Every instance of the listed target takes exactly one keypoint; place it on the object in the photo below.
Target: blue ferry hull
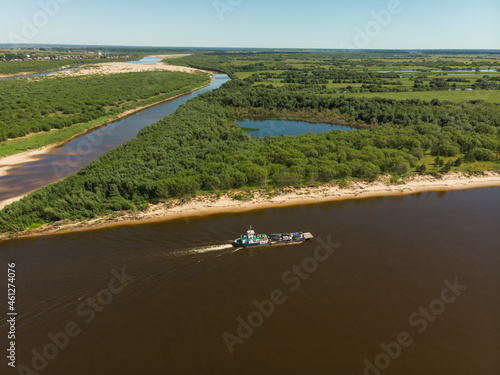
(273, 239)
(268, 244)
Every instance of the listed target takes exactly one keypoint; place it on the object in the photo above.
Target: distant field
(492, 96)
(243, 75)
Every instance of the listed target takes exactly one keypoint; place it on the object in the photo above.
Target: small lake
(276, 128)
(147, 60)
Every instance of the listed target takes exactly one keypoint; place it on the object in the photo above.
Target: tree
(418, 153)
(447, 167)
(402, 168)
(483, 154)
(421, 168)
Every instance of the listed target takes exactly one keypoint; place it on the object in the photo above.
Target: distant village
(5, 57)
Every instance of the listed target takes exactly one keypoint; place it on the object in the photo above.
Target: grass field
(490, 96)
(38, 140)
(476, 167)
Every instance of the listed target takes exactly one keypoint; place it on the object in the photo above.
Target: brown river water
(390, 285)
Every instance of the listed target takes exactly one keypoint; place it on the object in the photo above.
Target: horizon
(277, 49)
(239, 24)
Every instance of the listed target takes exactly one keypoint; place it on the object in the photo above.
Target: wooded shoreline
(211, 204)
(8, 162)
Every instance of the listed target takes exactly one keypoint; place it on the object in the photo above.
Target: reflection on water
(190, 287)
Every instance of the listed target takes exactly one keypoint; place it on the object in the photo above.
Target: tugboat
(251, 239)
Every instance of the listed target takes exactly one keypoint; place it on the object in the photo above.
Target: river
(80, 151)
(184, 287)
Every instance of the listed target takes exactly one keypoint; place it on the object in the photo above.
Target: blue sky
(375, 24)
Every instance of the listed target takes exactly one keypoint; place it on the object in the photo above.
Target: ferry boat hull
(251, 239)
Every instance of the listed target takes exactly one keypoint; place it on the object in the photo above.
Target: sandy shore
(11, 161)
(211, 204)
(115, 67)
(123, 67)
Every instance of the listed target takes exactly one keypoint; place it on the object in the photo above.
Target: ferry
(251, 239)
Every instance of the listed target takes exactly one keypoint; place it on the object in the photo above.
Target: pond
(275, 128)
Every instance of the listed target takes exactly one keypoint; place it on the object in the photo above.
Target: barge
(251, 239)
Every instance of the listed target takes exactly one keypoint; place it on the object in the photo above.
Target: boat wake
(170, 268)
(202, 249)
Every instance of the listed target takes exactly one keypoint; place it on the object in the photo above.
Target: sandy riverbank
(114, 68)
(123, 67)
(211, 204)
(11, 161)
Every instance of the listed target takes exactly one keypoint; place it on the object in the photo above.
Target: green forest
(200, 149)
(41, 104)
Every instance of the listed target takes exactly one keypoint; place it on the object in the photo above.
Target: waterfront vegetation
(52, 106)
(200, 149)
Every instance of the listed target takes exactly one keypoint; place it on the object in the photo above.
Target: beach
(123, 67)
(202, 205)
